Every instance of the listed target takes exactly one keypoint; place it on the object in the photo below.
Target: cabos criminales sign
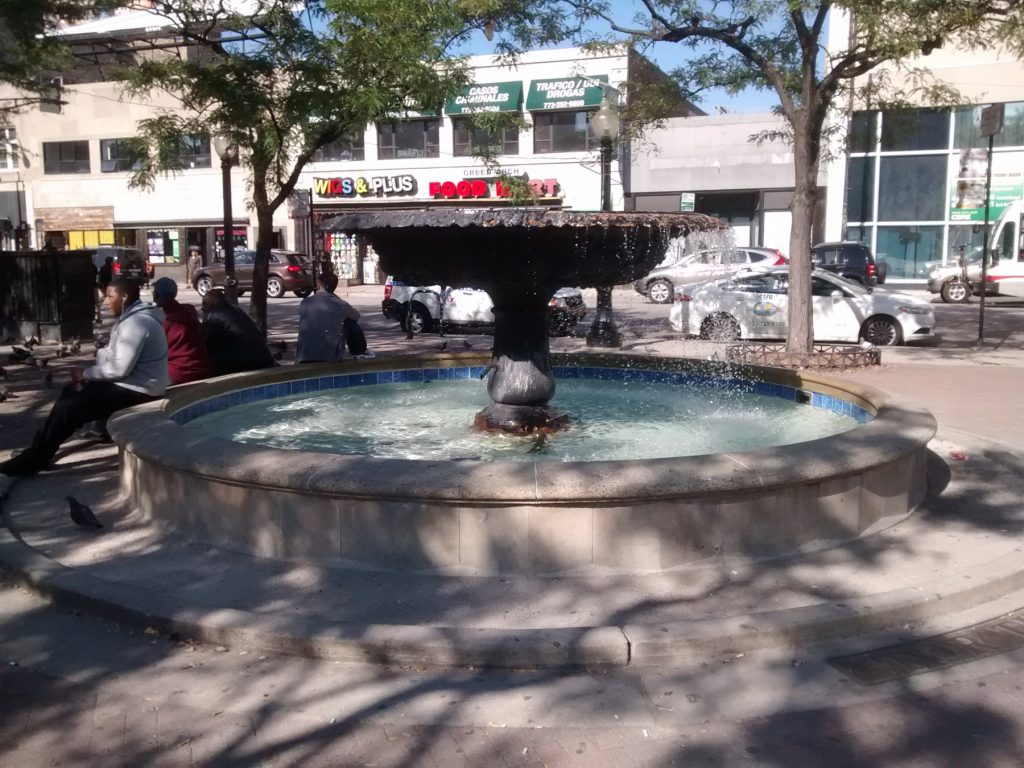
(361, 186)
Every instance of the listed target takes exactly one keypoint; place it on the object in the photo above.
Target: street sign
(992, 119)
(687, 202)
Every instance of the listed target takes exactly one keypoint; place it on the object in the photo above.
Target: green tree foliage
(780, 47)
(284, 79)
(29, 55)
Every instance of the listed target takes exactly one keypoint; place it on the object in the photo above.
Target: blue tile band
(676, 378)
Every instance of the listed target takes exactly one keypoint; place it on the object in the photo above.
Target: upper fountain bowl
(537, 250)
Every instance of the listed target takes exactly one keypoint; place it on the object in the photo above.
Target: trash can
(49, 295)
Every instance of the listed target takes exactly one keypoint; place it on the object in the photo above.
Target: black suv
(854, 261)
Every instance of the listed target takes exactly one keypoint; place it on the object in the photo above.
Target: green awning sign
(486, 97)
(565, 93)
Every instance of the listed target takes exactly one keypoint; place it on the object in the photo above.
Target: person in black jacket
(233, 341)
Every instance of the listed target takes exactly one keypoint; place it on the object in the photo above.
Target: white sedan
(755, 305)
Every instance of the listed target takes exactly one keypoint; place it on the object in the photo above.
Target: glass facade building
(915, 183)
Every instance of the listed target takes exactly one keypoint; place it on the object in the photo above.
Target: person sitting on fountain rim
(131, 370)
(324, 323)
(234, 343)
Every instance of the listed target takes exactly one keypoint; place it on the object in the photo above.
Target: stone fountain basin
(511, 517)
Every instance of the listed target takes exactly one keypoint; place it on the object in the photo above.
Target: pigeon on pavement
(82, 516)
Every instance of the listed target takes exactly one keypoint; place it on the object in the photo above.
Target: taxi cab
(755, 305)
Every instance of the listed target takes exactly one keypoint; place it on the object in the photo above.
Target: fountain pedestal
(521, 379)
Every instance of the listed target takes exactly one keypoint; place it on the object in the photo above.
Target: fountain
(486, 515)
(520, 257)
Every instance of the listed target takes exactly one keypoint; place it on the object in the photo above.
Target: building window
(470, 139)
(8, 149)
(909, 251)
(119, 155)
(967, 127)
(563, 132)
(912, 188)
(66, 157)
(194, 151)
(349, 148)
(409, 139)
(863, 132)
(912, 130)
(860, 193)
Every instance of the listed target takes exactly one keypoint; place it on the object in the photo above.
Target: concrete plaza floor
(76, 690)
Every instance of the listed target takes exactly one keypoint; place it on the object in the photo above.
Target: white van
(1005, 274)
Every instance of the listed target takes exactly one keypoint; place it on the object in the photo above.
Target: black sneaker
(25, 464)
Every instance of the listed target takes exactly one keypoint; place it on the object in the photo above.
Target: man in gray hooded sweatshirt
(131, 370)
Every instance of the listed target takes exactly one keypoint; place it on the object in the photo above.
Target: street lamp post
(227, 151)
(605, 122)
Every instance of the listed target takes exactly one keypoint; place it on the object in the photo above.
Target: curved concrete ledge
(495, 517)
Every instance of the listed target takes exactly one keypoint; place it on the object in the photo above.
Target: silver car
(703, 265)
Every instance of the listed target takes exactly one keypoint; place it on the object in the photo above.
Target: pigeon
(466, 344)
(442, 346)
(409, 335)
(48, 380)
(19, 355)
(76, 347)
(4, 393)
(4, 375)
(82, 516)
(282, 345)
(31, 341)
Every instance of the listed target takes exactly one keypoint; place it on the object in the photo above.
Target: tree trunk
(261, 267)
(800, 339)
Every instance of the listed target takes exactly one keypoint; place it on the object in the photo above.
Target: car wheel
(881, 331)
(417, 320)
(955, 292)
(275, 288)
(303, 292)
(720, 328)
(659, 291)
(203, 285)
(881, 271)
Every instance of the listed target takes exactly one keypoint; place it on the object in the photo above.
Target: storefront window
(966, 241)
(915, 129)
(858, 235)
(350, 148)
(66, 157)
(863, 131)
(470, 138)
(967, 127)
(860, 189)
(563, 132)
(119, 155)
(912, 188)
(409, 139)
(910, 251)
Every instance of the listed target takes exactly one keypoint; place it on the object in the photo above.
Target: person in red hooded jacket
(186, 347)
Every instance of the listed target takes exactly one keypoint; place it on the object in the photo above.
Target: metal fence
(51, 296)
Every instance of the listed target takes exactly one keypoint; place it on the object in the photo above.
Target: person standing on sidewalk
(131, 370)
(103, 278)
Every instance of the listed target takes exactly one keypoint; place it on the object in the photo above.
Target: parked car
(127, 261)
(851, 260)
(701, 265)
(754, 305)
(419, 308)
(289, 271)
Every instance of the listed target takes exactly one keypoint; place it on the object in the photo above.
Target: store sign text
(475, 188)
(360, 186)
